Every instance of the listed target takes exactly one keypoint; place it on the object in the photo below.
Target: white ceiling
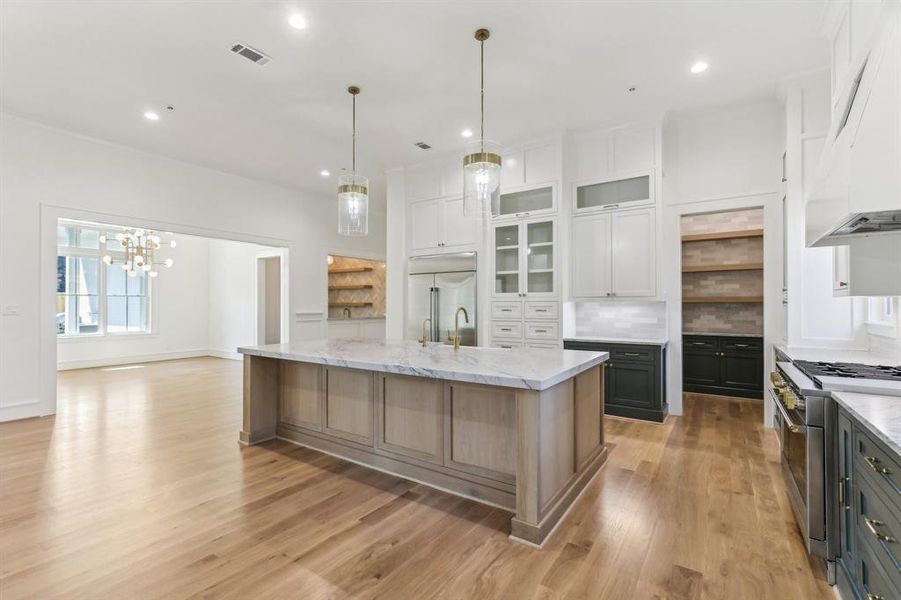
(95, 66)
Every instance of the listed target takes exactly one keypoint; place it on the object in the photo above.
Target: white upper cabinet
(634, 253)
(590, 254)
(527, 201)
(459, 230)
(613, 254)
(435, 225)
(425, 224)
(610, 152)
(628, 191)
(525, 258)
(531, 165)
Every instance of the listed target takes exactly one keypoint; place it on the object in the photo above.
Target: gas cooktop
(816, 370)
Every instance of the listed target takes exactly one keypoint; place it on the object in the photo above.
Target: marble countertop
(522, 368)
(616, 340)
(838, 355)
(880, 415)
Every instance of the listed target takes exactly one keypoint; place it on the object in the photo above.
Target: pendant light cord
(353, 143)
(482, 87)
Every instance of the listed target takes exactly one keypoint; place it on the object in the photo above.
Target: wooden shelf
(732, 267)
(721, 299)
(350, 270)
(350, 287)
(722, 235)
(349, 304)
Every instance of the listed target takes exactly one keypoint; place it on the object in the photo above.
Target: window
(94, 298)
(882, 317)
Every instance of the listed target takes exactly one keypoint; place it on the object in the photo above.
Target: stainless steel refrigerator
(436, 287)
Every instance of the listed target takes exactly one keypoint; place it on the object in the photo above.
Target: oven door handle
(792, 426)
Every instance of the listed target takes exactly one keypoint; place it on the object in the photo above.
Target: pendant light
(353, 189)
(482, 162)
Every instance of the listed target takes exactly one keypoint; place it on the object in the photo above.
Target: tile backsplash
(627, 319)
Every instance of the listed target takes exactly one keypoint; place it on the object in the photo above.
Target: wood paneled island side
(521, 429)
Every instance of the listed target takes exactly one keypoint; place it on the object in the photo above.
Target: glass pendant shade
(353, 204)
(482, 179)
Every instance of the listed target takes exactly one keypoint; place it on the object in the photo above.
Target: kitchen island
(521, 429)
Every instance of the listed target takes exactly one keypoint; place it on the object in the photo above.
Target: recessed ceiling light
(466, 133)
(151, 116)
(297, 22)
(699, 67)
(324, 173)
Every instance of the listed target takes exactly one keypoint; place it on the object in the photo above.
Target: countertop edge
(848, 404)
(497, 380)
(602, 340)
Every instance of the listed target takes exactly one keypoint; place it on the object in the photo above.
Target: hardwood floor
(138, 489)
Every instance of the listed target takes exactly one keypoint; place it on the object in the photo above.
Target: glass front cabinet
(525, 258)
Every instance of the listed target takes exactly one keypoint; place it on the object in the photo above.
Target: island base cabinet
(530, 452)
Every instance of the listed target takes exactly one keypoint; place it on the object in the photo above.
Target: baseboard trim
(224, 354)
(138, 358)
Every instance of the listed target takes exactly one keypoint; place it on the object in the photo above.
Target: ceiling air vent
(251, 54)
(422, 146)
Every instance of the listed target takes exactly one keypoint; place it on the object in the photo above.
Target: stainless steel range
(805, 422)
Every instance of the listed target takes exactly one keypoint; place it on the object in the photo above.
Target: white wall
(179, 323)
(47, 173)
(233, 282)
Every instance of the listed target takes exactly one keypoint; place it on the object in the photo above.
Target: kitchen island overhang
(521, 429)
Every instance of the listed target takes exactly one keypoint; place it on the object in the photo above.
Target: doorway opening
(722, 303)
(269, 299)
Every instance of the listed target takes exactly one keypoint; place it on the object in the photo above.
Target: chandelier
(139, 246)
(482, 162)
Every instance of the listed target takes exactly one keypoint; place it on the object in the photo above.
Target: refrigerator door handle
(436, 326)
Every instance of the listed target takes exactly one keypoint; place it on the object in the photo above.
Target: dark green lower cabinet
(635, 379)
(723, 365)
(868, 506)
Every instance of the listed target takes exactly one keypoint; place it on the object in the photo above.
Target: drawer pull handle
(699, 343)
(872, 460)
(541, 331)
(874, 597)
(540, 310)
(872, 524)
(506, 310)
(631, 354)
(506, 329)
(741, 345)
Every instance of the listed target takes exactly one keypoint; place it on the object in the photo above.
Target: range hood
(857, 189)
(869, 223)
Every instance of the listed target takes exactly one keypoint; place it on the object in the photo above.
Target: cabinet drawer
(542, 310)
(545, 345)
(879, 526)
(542, 331)
(871, 577)
(633, 354)
(700, 343)
(742, 344)
(870, 457)
(504, 329)
(506, 344)
(506, 310)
